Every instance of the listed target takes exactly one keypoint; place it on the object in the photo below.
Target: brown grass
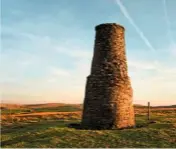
(46, 105)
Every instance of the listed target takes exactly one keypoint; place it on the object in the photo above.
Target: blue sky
(47, 47)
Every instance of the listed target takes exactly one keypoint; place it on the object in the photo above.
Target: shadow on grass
(80, 127)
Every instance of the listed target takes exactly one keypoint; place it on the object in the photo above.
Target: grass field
(48, 127)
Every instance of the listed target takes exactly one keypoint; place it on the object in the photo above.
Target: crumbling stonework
(108, 96)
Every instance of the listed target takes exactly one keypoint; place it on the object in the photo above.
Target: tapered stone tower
(108, 95)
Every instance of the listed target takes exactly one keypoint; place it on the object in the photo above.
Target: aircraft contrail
(168, 22)
(141, 34)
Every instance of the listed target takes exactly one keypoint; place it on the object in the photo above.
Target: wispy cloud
(162, 69)
(141, 65)
(75, 52)
(55, 71)
(168, 23)
(130, 19)
(173, 50)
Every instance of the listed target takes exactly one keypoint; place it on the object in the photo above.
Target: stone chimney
(108, 95)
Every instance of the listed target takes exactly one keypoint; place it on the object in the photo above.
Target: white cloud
(172, 49)
(156, 87)
(80, 54)
(141, 65)
(26, 62)
(152, 65)
(55, 71)
(73, 50)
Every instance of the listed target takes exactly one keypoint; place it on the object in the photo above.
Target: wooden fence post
(148, 111)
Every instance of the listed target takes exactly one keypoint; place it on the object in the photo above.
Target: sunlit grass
(52, 131)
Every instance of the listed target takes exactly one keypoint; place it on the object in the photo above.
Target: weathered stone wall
(108, 96)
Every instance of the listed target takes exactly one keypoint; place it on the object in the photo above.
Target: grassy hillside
(51, 107)
(51, 130)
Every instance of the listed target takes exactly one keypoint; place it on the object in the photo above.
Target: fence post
(148, 111)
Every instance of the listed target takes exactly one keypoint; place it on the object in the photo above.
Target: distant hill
(39, 106)
(55, 105)
(10, 106)
(139, 106)
(45, 105)
(172, 106)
